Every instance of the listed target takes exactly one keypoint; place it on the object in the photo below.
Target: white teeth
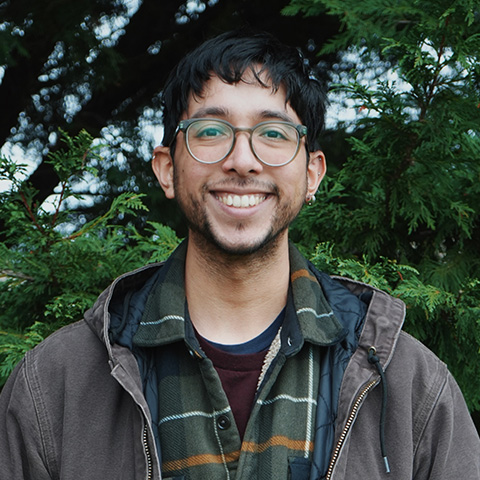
(241, 201)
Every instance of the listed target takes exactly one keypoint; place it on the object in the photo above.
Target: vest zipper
(148, 454)
(347, 427)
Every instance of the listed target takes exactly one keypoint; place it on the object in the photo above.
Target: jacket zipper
(347, 427)
(147, 453)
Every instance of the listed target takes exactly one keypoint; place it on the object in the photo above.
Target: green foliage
(409, 193)
(51, 269)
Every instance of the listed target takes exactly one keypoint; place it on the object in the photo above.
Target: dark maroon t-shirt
(239, 376)
(239, 367)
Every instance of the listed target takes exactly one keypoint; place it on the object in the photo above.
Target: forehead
(247, 100)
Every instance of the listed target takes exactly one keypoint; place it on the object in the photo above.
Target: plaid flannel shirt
(195, 426)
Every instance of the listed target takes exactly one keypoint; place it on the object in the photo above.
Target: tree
(52, 270)
(409, 194)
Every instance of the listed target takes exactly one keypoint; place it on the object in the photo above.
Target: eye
(271, 132)
(275, 132)
(209, 130)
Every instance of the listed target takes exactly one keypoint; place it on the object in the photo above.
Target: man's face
(240, 205)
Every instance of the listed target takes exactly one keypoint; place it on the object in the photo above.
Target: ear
(162, 165)
(316, 169)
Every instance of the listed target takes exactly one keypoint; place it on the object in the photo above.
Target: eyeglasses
(210, 140)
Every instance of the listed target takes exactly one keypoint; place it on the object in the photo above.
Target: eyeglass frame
(184, 125)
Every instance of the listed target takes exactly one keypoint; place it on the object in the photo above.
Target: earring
(310, 200)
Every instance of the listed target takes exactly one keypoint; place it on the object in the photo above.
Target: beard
(203, 232)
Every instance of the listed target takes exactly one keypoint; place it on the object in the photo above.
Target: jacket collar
(309, 316)
(383, 323)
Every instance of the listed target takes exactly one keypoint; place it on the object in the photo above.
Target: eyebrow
(278, 114)
(210, 112)
(223, 113)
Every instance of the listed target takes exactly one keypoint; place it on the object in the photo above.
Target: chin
(241, 248)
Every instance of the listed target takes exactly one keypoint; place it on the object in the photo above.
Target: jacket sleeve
(22, 444)
(449, 446)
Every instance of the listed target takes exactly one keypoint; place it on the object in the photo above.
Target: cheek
(189, 180)
(294, 182)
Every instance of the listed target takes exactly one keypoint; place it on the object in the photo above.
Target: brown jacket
(74, 409)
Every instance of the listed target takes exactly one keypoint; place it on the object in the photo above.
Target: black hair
(229, 56)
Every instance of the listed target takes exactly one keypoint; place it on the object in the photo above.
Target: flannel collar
(308, 316)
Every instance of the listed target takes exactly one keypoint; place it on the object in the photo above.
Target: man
(236, 359)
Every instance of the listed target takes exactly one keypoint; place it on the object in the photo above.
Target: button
(223, 422)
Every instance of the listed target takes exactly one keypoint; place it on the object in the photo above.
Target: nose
(242, 160)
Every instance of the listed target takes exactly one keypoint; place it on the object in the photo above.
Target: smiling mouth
(241, 201)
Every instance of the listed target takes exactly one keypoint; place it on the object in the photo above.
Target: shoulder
(445, 440)
(73, 351)
(45, 369)
(422, 384)
(72, 341)
(412, 352)
(67, 366)
(416, 367)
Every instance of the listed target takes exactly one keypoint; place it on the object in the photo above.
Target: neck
(234, 298)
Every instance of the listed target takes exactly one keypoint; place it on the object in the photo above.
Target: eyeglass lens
(274, 143)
